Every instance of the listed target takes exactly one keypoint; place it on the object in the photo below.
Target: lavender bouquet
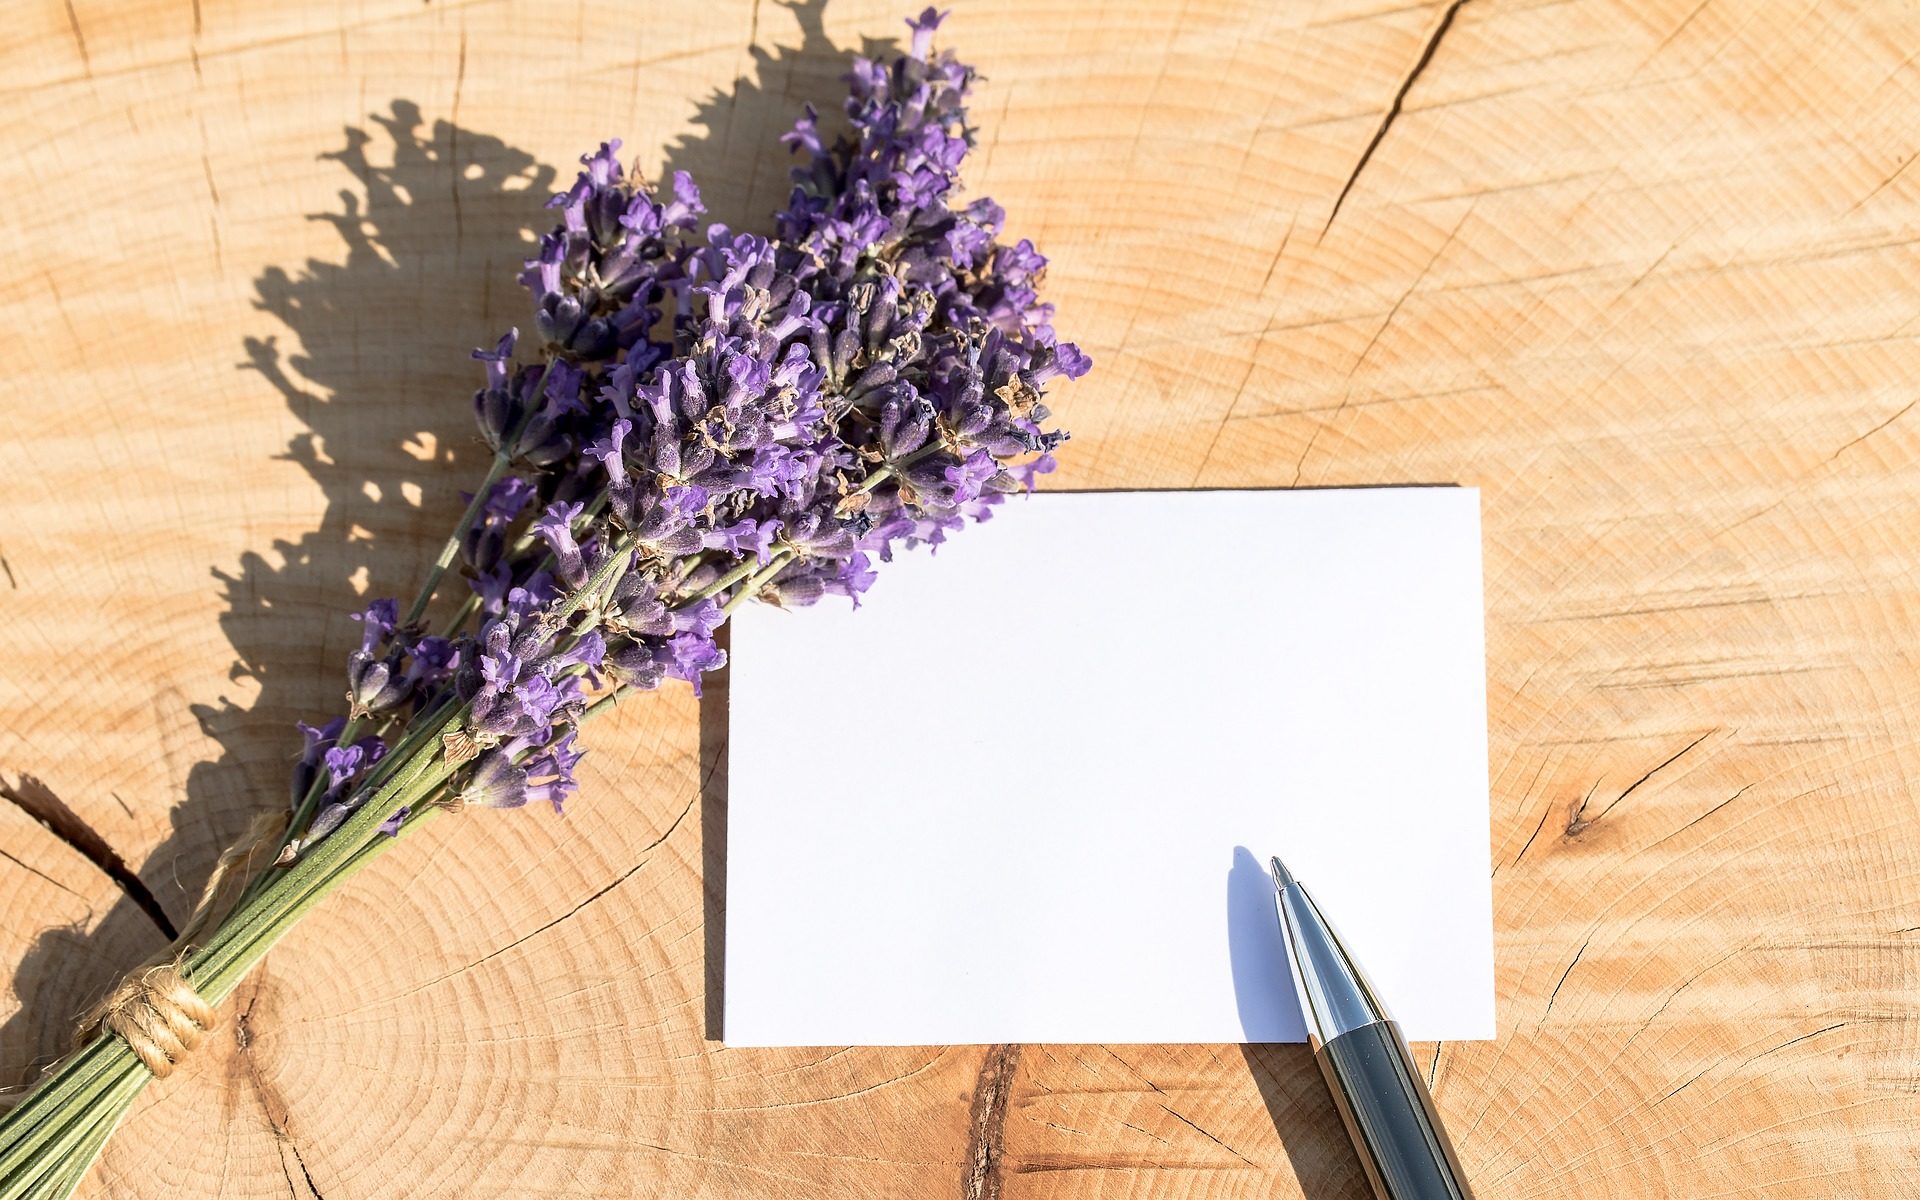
(709, 417)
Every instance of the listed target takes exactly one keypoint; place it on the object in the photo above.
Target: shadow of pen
(1288, 1078)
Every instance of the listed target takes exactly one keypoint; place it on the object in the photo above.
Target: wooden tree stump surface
(1644, 272)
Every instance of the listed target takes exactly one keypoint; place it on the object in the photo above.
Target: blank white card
(1027, 792)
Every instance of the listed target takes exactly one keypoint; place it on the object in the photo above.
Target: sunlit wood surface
(1645, 273)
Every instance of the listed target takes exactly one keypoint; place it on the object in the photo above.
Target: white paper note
(1027, 792)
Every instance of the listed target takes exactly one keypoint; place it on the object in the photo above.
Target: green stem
(208, 968)
(610, 700)
(744, 568)
(454, 539)
(398, 756)
(607, 574)
(66, 1181)
(682, 569)
(759, 580)
(216, 980)
(78, 1139)
(501, 458)
(889, 470)
(57, 1132)
(67, 1174)
(64, 1096)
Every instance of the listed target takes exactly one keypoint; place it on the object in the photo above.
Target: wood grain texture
(1644, 272)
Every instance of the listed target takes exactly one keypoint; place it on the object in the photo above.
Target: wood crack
(1547, 812)
(38, 801)
(1703, 816)
(625, 875)
(1563, 977)
(1578, 824)
(79, 40)
(271, 1102)
(1393, 109)
(524, 938)
(1688, 982)
(1209, 1136)
(1790, 1042)
(987, 1125)
(1869, 433)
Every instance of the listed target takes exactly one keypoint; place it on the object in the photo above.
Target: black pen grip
(1390, 1116)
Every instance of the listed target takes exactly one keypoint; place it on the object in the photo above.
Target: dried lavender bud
(374, 684)
(495, 782)
(633, 664)
(375, 681)
(326, 821)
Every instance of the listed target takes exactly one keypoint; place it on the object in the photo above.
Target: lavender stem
(759, 580)
(746, 567)
(452, 546)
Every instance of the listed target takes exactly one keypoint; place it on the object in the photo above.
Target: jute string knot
(154, 1009)
(159, 1015)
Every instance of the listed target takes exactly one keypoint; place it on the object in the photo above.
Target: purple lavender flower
(549, 774)
(555, 528)
(487, 539)
(318, 741)
(342, 762)
(431, 661)
(715, 416)
(375, 681)
(377, 623)
(690, 655)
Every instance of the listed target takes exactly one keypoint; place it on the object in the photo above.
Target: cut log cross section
(1644, 273)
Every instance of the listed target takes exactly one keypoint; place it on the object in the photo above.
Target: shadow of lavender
(372, 357)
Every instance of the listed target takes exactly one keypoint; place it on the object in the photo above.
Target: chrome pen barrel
(1385, 1105)
(1389, 1115)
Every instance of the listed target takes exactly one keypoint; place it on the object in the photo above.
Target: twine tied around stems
(159, 1014)
(153, 1008)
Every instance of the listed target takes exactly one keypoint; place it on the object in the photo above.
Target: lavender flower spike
(723, 417)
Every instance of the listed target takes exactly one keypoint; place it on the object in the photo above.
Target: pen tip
(1282, 878)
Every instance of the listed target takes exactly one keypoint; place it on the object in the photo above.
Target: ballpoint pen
(1382, 1100)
